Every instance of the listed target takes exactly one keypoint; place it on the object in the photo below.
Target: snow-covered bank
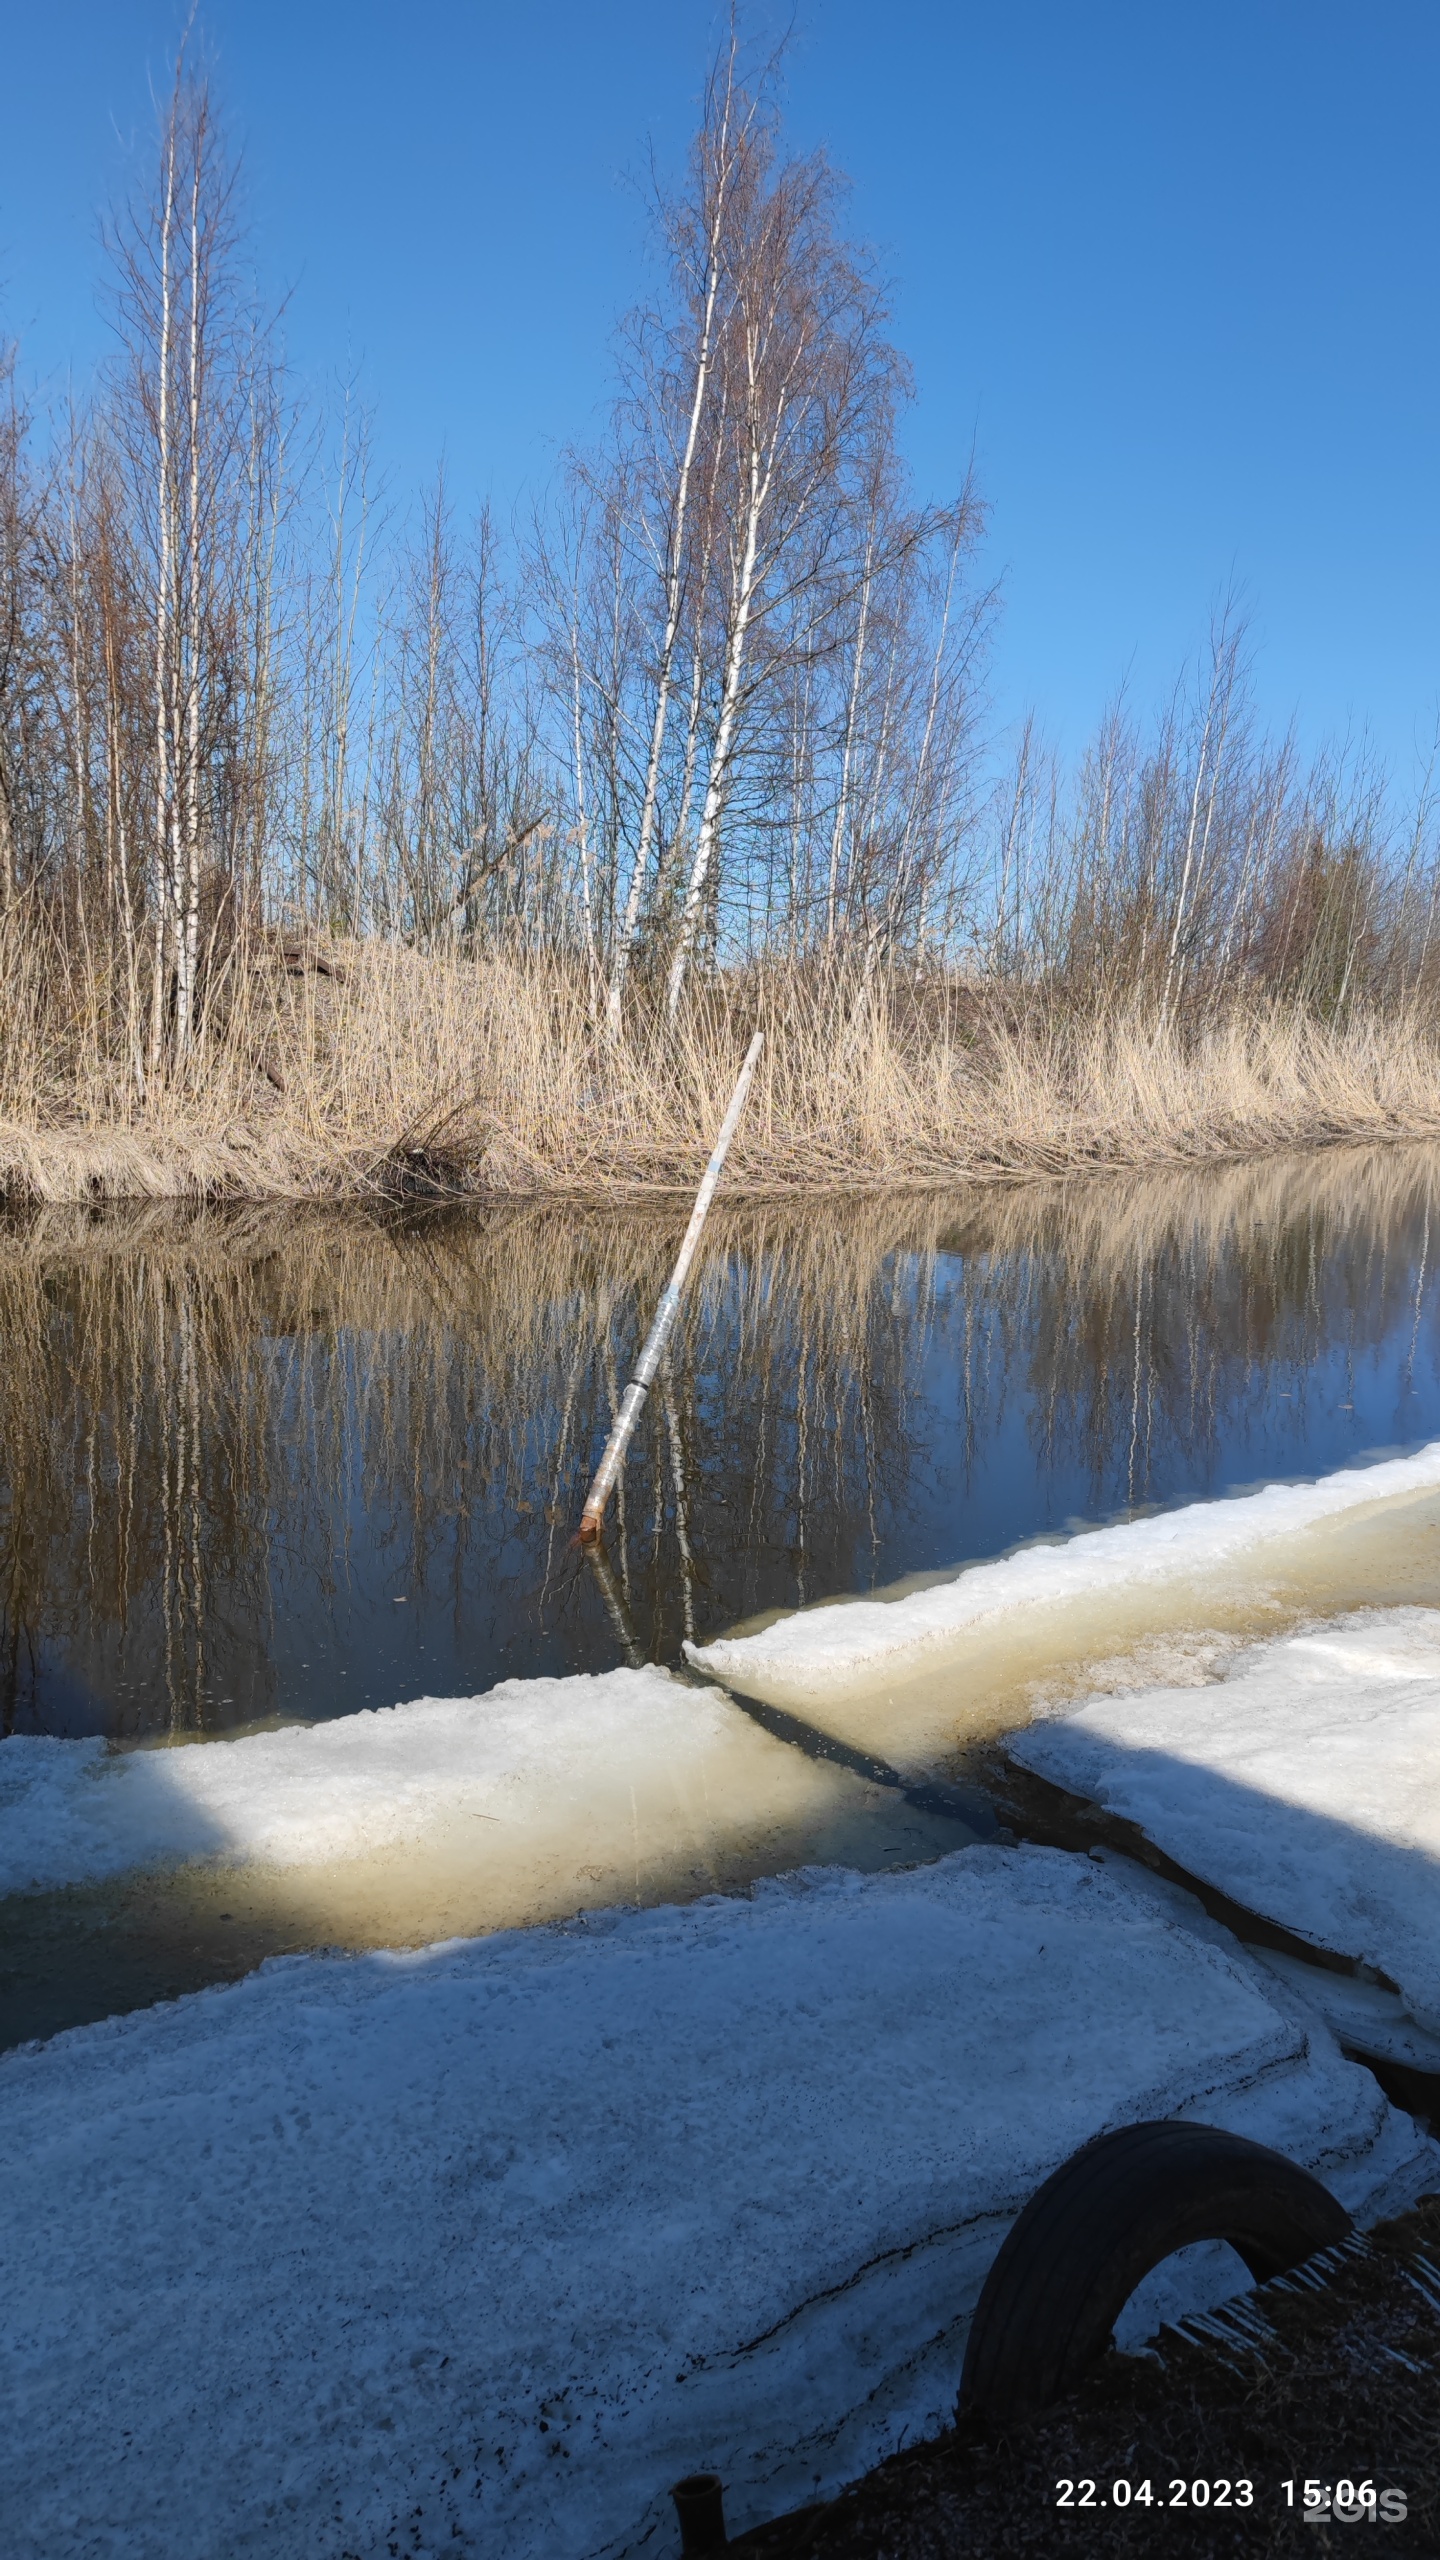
(1305, 1784)
(854, 1639)
(495, 2241)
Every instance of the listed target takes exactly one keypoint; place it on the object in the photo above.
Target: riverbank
(769, 2108)
(383, 2219)
(1338, 2384)
(333, 1071)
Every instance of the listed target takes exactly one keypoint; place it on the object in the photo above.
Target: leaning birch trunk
(665, 1313)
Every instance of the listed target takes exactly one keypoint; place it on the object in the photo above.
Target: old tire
(1072, 2260)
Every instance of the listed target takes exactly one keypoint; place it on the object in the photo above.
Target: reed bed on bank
(331, 841)
(371, 1070)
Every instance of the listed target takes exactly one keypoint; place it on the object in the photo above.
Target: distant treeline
(718, 704)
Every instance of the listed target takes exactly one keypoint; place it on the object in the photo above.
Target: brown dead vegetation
(335, 1070)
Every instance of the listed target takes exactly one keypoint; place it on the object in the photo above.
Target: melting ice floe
(501, 2238)
(816, 1649)
(544, 1793)
(574, 1767)
(1305, 1784)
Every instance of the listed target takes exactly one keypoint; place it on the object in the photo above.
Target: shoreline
(1333, 2378)
(88, 1168)
(403, 1076)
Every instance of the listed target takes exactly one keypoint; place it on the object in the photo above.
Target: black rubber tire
(1071, 2261)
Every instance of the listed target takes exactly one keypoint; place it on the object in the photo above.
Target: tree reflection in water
(293, 1462)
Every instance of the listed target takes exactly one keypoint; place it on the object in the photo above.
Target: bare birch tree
(676, 366)
(749, 555)
(193, 424)
(804, 369)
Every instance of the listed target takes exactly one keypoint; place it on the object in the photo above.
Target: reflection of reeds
(369, 1069)
(182, 1388)
(1340, 1193)
(1149, 1312)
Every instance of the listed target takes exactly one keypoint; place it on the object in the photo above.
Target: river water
(285, 1464)
(260, 1468)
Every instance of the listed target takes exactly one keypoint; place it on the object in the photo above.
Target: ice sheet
(596, 1758)
(1361, 2014)
(483, 2247)
(845, 1641)
(1305, 1784)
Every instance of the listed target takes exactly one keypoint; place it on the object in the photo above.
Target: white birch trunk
(674, 589)
(1221, 686)
(189, 934)
(759, 477)
(719, 776)
(842, 803)
(582, 830)
(164, 617)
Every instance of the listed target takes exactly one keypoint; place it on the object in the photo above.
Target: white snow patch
(1194, 2279)
(1361, 2015)
(1305, 1784)
(491, 2243)
(362, 1784)
(847, 1639)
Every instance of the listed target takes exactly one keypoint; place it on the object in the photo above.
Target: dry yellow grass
(381, 1071)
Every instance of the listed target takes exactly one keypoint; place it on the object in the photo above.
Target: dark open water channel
(285, 1464)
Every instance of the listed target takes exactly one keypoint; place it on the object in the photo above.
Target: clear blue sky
(1170, 267)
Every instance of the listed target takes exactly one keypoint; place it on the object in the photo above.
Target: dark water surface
(291, 1463)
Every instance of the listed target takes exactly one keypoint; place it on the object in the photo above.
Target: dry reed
(369, 1069)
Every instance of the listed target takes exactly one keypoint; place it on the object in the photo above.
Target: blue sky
(1170, 270)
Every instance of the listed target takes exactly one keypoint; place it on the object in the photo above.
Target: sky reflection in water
(295, 1463)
